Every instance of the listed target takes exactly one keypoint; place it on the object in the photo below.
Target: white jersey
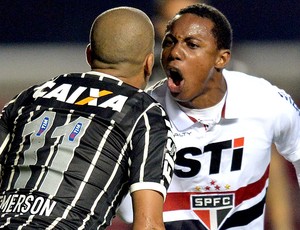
(221, 174)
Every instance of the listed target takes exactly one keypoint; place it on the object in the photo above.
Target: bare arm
(279, 203)
(147, 208)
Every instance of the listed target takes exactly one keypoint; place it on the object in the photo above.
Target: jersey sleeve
(4, 134)
(153, 155)
(7, 116)
(4, 126)
(287, 127)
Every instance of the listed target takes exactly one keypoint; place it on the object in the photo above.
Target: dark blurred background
(69, 21)
(39, 39)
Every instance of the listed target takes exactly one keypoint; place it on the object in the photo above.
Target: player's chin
(180, 97)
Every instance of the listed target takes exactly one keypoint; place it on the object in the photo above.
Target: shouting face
(191, 60)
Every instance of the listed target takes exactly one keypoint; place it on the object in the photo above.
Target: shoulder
(245, 81)
(251, 93)
(249, 86)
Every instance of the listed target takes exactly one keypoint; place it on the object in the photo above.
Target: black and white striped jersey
(73, 146)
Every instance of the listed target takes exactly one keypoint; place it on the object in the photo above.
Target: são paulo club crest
(212, 209)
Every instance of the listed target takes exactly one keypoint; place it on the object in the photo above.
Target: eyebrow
(191, 37)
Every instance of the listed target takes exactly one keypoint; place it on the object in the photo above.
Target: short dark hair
(222, 30)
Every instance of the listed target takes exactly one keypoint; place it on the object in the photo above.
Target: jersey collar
(103, 75)
(177, 116)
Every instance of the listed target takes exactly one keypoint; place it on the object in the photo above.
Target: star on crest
(198, 188)
(227, 187)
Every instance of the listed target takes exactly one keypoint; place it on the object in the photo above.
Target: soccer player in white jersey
(72, 147)
(224, 124)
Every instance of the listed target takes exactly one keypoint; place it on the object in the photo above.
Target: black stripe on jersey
(245, 217)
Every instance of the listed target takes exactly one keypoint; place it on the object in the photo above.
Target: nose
(175, 52)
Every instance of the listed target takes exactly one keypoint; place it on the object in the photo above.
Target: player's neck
(209, 98)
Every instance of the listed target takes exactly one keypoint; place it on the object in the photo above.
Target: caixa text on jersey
(75, 95)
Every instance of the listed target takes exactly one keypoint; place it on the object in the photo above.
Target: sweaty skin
(194, 83)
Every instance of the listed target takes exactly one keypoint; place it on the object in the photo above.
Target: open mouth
(176, 77)
(175, 80)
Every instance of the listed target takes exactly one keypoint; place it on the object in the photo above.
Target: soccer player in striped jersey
(224, 123)
(72, 147)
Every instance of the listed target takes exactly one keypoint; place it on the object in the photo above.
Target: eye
(167, 42)
(192, 45)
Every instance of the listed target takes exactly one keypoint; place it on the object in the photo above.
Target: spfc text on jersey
(201, 201)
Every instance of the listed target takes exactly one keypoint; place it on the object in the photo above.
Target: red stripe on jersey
(251, 190)
(193, 119)
(181, 200)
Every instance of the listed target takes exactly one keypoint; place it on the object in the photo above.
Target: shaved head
(119, 36)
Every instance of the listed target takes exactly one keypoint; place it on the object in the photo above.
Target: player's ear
(148, 65)
(88, 54)
(223, 58)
